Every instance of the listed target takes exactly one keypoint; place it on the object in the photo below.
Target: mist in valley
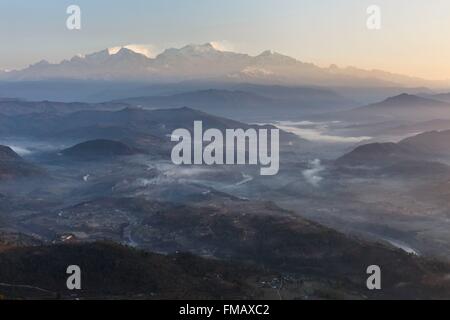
(364, 175)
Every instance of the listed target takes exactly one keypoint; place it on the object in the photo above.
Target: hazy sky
(414, 38)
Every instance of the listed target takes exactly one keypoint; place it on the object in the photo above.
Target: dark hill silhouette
(99, 148)
(113, 271)
(424, 147)
(403, 107)
(13, 166)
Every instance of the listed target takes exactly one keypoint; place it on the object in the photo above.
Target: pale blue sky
(414, 38)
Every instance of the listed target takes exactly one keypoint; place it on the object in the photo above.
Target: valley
(358, 184)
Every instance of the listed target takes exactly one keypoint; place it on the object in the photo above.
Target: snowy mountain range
(205, 62)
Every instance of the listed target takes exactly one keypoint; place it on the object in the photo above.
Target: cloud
(316, 131)
(147, 50)
(223, 45)
(22, 151)
(312, 174)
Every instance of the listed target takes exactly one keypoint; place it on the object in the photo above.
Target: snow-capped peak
(191, 49)
(207, 47)
(143, 49)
